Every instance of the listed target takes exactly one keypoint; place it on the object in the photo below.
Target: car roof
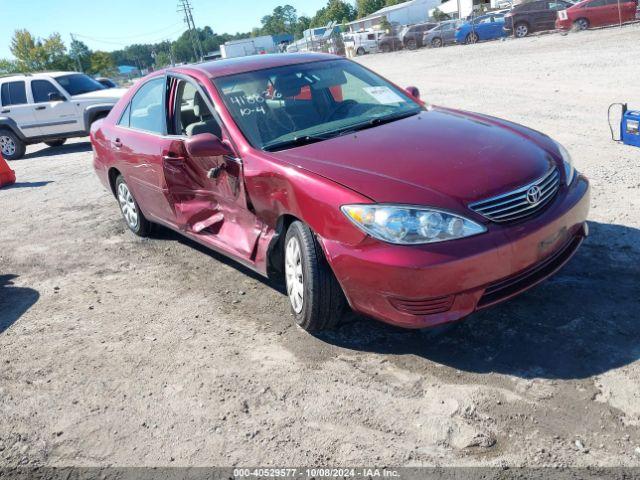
(22, 76)
(232, 66)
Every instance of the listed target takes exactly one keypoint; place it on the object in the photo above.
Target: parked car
(412, 36)
(362, 42)
(441, 35)
(107, 82)
(313, 167)
(596, 13)
(535, 16)
(49, 107)
(485, 27)
(389, 43)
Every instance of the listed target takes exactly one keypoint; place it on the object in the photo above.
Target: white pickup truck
(50, 107)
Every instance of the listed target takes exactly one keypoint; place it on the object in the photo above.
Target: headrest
(289, 86)
(199, 105)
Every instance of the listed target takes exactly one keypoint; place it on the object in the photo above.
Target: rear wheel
(131, 213)
(472, 38)
(581, 24)
(436, 42)
(11, 146)
(522, 30)
(56, 143)
(316, 299)
(360, 51)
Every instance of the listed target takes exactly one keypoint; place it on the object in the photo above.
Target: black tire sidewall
(144, 226)
(56, 143)
(20, 145)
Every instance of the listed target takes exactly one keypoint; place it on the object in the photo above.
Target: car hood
(440, 157)
(107, 94)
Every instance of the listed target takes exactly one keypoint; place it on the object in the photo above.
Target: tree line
(36, 54)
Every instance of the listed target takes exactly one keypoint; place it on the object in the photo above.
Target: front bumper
(417, 287)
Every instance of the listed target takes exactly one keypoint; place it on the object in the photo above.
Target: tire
(360, 51)
(437, 42)
(56, 143)
(412, 44)
(471, 38)
(580, 24)
(316, 299)
(521, 30)
(385, 48)
(133, 216)
(11, 147)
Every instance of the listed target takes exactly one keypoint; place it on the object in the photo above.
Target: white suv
(50, 107)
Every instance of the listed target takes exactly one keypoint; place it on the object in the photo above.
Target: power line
(172, 26)
(185, 7)
(125, 44)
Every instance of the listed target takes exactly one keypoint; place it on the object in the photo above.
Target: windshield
(78, 83)
(295, 104)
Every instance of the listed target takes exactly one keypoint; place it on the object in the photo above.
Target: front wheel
(56, 143)
(522, 30)
(131, 213)
(11, 146)
(317, 301)
(412, 44)
(581, 24)
(361, 51)
(436, 42)
(472, 38)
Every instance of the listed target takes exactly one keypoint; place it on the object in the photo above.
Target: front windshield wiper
(374, 122)
(307, 139)
(295, 142)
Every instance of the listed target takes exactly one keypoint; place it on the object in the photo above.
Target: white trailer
(248, 46)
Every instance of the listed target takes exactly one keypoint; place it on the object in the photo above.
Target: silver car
(441, 35)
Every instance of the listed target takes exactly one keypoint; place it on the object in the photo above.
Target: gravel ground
(121, 351)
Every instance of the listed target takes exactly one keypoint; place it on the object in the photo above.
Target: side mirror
(206, 145)
(56, 97)
(414, 92)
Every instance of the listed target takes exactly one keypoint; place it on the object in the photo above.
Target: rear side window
(147, 112)
(41, 90)
(13, 93)
(597, 3)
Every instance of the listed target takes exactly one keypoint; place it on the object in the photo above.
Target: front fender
(92, 111)
(9, 123)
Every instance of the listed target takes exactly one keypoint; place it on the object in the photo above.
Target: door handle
(173, 159)
(117, 143)
(40, 108)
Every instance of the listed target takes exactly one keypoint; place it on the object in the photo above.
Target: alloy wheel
(7, 145)
(437, 42)
(294, 275)
(582, 24)
(128, 206)
(522, 31)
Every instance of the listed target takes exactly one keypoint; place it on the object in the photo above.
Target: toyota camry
(312, 169)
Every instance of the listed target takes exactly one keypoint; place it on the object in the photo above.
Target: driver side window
(193, 115)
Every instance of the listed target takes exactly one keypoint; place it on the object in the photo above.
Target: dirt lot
(121, 351)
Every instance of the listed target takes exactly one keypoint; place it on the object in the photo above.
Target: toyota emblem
(533, 195)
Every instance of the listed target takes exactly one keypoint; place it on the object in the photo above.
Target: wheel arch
(275, 257)
(10, 124)
(95, 112)
(112, 175)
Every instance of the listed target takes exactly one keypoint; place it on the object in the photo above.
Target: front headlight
(405, 225)
(569, 171)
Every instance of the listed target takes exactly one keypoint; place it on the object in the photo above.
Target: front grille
(520, 203)
(423, 306)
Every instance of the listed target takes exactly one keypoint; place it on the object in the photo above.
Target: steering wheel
(342, 107)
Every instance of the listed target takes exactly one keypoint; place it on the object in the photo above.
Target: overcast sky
(112, 24)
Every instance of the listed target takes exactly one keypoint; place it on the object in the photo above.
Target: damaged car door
(203, 174)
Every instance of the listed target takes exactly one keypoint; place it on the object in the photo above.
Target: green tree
(101, 63)
(304, 23)
(367, 7)
(80, 53)
(283, 19)
(335, 10)
(439, 15)
(7, 66)
(385, 26)
(33, 54)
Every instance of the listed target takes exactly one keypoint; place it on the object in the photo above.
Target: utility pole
(73, 39)
(185, 7)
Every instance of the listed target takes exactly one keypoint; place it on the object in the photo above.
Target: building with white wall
(407, 13)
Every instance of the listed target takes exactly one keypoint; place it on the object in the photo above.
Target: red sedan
(312, 167)
(596, 13)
